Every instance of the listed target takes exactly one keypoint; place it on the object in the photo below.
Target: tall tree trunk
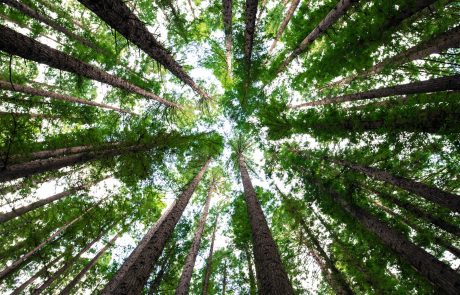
(25, 47)
(269, 269)
(20, 261)
(440, 274)
(439, 43)
(30, 182)
(208, 270)
(53, 24)
(331, 18)
(135, 271)
(191, 8)
(155, 285)
(432, 194)
(287, 18)
(63, 97)
(432, 85)
(118, 16)
(252, 279)
(224, 280)
(87, 267)
(187, 271)
(250, 23)
(227, 14)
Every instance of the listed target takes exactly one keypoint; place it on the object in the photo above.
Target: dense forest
(230, 147)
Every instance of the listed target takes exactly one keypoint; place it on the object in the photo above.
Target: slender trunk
(187, 271)
(432, 194)
(207, 274)
(25, 47)
(155, 285)
(224, 280)
(48, 21)
(191, 8)
(262, 8)
(432, 85)
(284, 24)
(118, 16)
(63, 97)
(52, 7)
(252, 280)
(227, 14)
(331, 18)
(16, 264)
(135, 271)
(270, 271)
(87, 267)
(442, 42)
(437, 272)
(250, 23)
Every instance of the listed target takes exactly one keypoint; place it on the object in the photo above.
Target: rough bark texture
(87, 267)
(208, 270)
(435, 195)
(227, 14)
(330, 19)
(284, 23)
(135, 271)
(440, 274)
(118, 16)
(25, 47)
(270, 271)
(39, 92)
(250, 26)
(433, 85)
(187, 271)
(442, 42)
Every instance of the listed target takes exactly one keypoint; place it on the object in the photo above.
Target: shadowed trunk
(118, 16)
(25, 47)
(252, 279)
(224, 280)
(433, 85)
(331, 18)
(135, 271)
(250, 25)
(208, 270)
(270, 271)
(155, 285)
(39, 92)
(287, 18)
(187, 271)
(227, 14)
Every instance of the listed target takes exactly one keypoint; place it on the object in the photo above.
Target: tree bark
(250, 23)
(63, 97)
(269, 269)
(186, 276)
(87, 267)
(432, 85)
(227, 15)
(135, 271)
(442, 42)
(252, 280)
(440, 274)
(25, 47)
(331, 18)
(118, 16)
(208, 270)
(224, 280)
(432, 194)
(284, 24)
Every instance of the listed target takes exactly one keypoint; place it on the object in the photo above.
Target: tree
(287, 18)
(207, 274)
(250, 23)
(227, 16)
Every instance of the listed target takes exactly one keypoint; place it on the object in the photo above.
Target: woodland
(230, 147)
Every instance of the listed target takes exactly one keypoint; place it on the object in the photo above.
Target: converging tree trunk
(250, 26)
(135, 271)
(186, 276)
(25, 47)
(118, 16)
(227, 15)
(433, 85)
(287, 18)
(252, 278)
(208, 270)
(269, 269)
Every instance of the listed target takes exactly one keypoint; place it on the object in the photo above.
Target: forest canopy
(230, 147)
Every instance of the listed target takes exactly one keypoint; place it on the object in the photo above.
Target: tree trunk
(432, 194)
(135, 271)
(16, 264)
(433, 85)
(53, 24)
(250, 22)
(191, 8)
(284, 24)
(224, 280)
(207, 274)
(30, 182)
(442, 42)
(440, 274)
(252, 280)
(39, 92)
(155, 285)
(262, 8)
(269, 269)
(25, 47)
(331, 18)
(118, 16)
(187, 271)
(227, 14)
